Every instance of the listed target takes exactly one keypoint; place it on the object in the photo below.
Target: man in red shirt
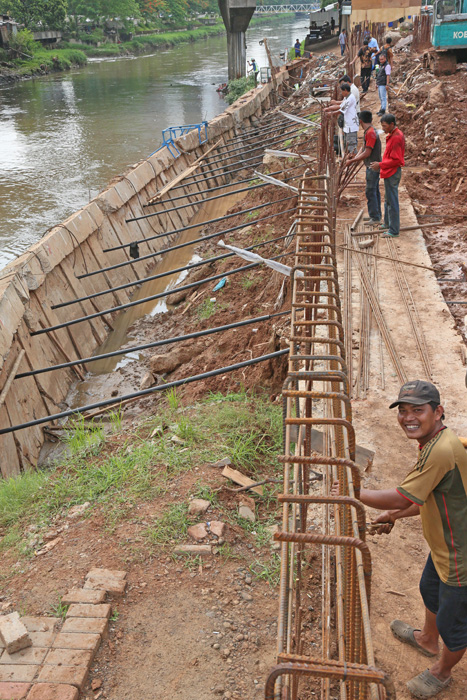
(370, 153)
(390, 171)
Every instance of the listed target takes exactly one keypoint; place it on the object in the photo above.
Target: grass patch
(115, 468)
(172, 526)
(268, 571)
(207, 309)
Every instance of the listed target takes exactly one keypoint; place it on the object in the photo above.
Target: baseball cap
(417, 392)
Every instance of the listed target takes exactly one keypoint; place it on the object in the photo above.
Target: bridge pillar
(236, 15)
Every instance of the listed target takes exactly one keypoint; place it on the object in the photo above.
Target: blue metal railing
(174, 132)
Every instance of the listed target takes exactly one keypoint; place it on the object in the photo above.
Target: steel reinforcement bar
(323, 648)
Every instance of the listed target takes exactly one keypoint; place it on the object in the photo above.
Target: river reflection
(64, 137)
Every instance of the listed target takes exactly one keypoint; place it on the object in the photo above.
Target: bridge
(281, 9)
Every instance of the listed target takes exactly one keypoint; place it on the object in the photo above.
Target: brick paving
(56, 664)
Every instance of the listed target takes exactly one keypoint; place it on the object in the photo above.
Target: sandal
(405, 633)
(426, 685)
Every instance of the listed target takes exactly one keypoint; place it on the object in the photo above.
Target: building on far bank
(386, 11)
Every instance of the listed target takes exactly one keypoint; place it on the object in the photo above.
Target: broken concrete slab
(13, 633)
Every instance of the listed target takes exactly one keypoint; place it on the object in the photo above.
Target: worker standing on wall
(298, 48)
(370, 153)
(435, 489)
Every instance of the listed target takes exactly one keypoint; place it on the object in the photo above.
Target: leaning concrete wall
(47, 274)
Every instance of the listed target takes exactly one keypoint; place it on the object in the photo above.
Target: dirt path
(398, 559)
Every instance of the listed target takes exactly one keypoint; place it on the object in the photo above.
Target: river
(64, 137)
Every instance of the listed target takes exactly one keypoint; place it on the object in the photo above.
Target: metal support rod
(131, 304)
(154, 344)
(190, 226)
(214, 189)
(190, 267)
(144, 392)
(181, 245)
(224, 194)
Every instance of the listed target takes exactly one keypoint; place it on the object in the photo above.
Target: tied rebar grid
(316, 395)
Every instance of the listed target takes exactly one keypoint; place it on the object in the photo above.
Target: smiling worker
(436, 489)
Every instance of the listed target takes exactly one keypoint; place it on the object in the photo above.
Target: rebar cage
(329, 650)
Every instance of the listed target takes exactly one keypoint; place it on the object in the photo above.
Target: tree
(51, 13)
(103, 9)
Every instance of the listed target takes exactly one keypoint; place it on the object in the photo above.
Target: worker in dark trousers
(436, 490)
(390, 171)
(370, 153)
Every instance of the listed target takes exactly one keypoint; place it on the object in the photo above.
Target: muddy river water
(63, 137)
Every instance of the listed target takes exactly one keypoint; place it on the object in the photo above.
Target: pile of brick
(41, 660)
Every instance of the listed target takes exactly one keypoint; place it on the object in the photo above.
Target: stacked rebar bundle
(319, 448)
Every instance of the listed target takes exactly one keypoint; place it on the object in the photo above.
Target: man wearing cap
(436, 489)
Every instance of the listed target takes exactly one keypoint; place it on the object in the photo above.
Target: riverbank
(75, 55)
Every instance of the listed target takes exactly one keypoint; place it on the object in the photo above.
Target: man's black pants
(365, 75)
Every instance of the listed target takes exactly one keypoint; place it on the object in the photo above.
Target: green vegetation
(268, 571)
(117, 468)
(206, 309)
(237, 88)
(59, 610)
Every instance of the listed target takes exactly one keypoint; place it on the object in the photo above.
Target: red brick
(31, 655)
(42, 639)
(40, 624)
(13, 691)
(18, 673)
(77, 641)
(49, 691)
(83, 595)
(103, 610)
(68, 675)
(69, 657)
(86, 625)
(109, 580)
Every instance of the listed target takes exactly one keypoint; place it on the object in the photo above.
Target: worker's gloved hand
(386, 521)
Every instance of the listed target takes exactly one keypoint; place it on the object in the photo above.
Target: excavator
(448, 36)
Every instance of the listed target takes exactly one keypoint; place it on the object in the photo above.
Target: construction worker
(390, 170)
(435, 489)
(370, 152)
(348, 108)
(298, 48)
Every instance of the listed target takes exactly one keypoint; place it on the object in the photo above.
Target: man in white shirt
(353, 90)
(373, 44)
(348, 107)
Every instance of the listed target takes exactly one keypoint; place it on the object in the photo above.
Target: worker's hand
(335, 488)
(386, 521)
(350, 161)
(375, 166)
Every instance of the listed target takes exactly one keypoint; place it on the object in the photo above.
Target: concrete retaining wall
(47, 274)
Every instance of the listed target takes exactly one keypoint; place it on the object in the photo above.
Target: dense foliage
(53, 13)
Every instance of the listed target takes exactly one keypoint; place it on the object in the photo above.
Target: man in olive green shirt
(436, 489)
